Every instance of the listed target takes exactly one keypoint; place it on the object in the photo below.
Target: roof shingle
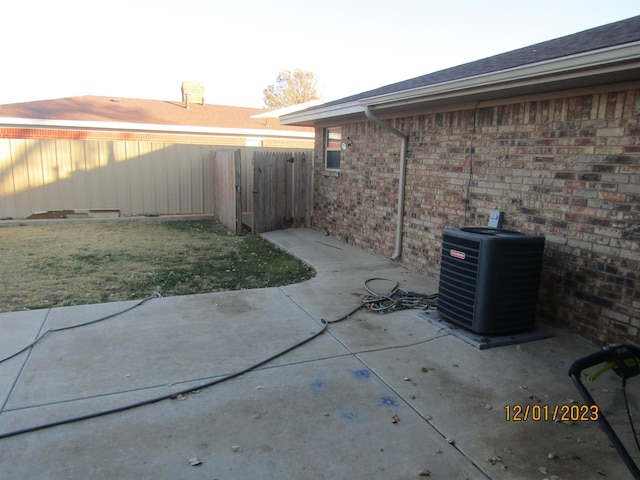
(610, 35)
(156, 112)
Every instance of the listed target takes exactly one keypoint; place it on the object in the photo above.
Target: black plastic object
(489, 279)
(625, 362)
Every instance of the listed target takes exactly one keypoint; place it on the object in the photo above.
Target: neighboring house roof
(148, 115)
(284, 110)
(606, 54)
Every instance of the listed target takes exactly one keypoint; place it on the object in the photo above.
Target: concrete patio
(374, 397)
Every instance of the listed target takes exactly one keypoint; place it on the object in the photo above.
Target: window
(333, 146)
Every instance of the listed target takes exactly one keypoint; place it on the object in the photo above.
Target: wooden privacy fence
(227, 182)
(263, 188)
(282, 191)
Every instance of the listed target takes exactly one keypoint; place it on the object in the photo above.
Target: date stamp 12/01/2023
(553, 413)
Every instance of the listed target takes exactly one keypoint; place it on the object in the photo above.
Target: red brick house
(548, 134)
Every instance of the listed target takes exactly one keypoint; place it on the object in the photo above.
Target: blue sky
(146, 48)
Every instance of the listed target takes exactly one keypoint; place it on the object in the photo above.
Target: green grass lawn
(46, 265)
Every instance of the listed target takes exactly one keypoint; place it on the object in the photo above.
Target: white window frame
(332, 143)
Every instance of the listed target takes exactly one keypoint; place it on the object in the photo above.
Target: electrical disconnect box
(495, 218)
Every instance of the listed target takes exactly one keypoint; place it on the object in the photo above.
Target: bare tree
(291, 88)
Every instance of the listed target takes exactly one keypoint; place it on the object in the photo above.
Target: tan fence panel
(135, 177)
(198, 156)
(35, 178)
(7, 188)
(172, 186)
(9, 174)
(147, 178)
(64, 180)
(92, 164)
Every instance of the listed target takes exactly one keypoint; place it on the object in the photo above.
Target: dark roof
(131, 110)
(617, 33)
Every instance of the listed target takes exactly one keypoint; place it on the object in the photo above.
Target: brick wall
(218, 140)
(71, 134)
(566, 168)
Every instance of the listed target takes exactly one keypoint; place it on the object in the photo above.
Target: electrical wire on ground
(373, 301)
(396, 299)
(78, 325)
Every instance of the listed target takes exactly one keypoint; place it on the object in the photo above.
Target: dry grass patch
(71, 264)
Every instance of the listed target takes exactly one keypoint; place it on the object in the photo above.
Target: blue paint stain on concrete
(318, 384)
(364, 373)
(349, 415)
(387, 402)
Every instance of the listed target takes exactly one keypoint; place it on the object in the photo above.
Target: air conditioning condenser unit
(489, 279)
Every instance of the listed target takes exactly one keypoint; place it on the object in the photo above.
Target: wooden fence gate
(282, 191)
(227, 202)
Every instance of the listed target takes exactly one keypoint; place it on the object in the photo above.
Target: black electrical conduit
(393, 301)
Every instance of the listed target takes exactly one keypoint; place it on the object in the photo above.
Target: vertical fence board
(207, 184)
(226, 186)
(50, 181)
(173, 183)
(208, 180)
(79, 174)
(147, 179)
(65, 173)
(34, 172)
(21, 172)
(298, 201)
(8, 206)
(95, 181)
(184, 177)
(197, 156)
(246, 155)
(300, 186)
(237, 166)
(107, 172)
(160, 177)
(134, 175)
(122, 177)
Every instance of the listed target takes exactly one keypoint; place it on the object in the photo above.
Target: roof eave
(573, 71)
(579, 67)
(318, 115)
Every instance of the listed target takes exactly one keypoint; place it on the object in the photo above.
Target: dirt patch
(71, 264)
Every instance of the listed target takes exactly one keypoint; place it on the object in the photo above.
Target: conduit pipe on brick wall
(403, 169)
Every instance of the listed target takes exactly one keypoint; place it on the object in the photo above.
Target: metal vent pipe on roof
(403, 169)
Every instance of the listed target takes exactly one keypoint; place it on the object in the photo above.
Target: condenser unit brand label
(457, 254)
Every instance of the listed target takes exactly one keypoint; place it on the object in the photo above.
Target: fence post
(238, 186)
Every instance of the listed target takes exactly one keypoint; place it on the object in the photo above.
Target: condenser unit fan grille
(458, 280)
